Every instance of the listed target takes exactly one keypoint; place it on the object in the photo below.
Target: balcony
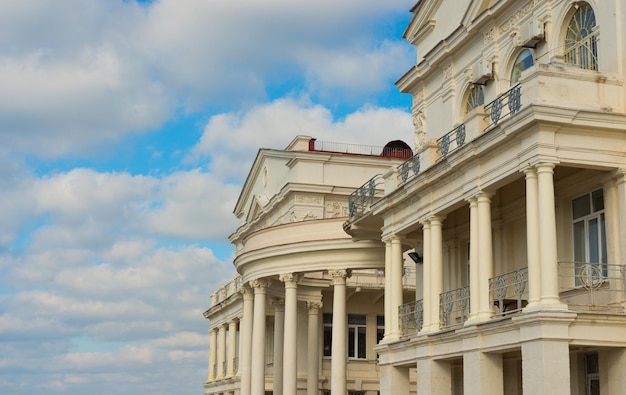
(593, 286)
(411, 317)
(508, 293)
(454, 307)
(359, 201)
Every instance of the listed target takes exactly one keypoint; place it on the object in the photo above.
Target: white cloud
(78, 75)
(231, 139)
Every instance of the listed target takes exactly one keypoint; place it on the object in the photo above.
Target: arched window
(523, 61)
(581, 38)
(475, 97)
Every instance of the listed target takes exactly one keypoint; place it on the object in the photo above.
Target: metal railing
(452, 141)
(360, 200)
(584, 53)
(454, 307)
(592, 286)
(411, 317)
(409, 168)
(509, 292)
(507, 104)
(359, 149)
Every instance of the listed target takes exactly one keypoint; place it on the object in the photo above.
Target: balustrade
(509, 292)
(454, 307)
(592, 286)
(411, 317)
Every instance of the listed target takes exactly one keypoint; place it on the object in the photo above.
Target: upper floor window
(328, 334)
(589, 227)
(475, 97)
(581, 38)
(523, 61)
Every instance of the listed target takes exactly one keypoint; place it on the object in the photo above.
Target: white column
(257, 382)
(212, 353)
(473, 265)
(313, 356)
(436, 270)
(245, 349)
(387, 291)
(279, 337)
(397, 268)
(340, 329)
(547, 238)
(290, 367)
(221, 351)
(485, 255)
(532, 238)
(426, 274)
(232, 348)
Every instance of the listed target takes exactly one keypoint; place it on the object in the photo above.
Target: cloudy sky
(126, 130)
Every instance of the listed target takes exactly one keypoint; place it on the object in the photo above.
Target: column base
(552, 304)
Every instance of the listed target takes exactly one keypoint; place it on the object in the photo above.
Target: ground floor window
(592, 374)
(357, 336)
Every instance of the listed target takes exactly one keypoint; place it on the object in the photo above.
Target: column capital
(339, 275)
(483, 196)
(530, 171)
(213, 330)
(290, 279)
(260, 284)
(543, 167)
(314, 307)
(472, 201)
(436, 219)
(246, 291)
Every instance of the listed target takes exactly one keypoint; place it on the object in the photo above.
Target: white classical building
(513, 207)
(306, 310)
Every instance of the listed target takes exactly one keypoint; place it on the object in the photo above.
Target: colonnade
(252, 335)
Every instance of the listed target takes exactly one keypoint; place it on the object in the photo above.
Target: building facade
(306, 310)
(515, 199)
(513, 207)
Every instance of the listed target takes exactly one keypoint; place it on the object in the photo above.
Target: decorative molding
(290, 278)
(246, 291)
(339, 275)
(309, 200)
(447, 72)
(520, 14)
(336, 210)
(419, 130)
(490, 37)
(260, 283)
(314, 307)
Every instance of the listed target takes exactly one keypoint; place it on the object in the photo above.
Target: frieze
(309, 199)
(490, 37)
(519, 15)
(336, 210)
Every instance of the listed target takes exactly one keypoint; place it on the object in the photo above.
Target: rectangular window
(380, 328)
(592, 374)
(328, 334)
(589, 232)
(357, 336)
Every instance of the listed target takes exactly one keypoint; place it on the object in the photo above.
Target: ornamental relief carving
(490, 37)
(419, 133)
(309, 200)
(336, 210)
(519, 15)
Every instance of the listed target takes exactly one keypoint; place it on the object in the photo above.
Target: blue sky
(126, 130)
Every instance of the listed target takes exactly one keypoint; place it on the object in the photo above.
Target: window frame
(359, 333)
(587, 219)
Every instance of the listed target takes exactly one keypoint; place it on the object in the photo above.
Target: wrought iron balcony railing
(411, 317)
(452, 141)
(593, 286)
(507, 104)
(409, 168)
(509, 292)
(454, 307)
(360, 200)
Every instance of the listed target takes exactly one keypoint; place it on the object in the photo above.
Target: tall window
(357, 336)
(328, 334)
(475, 98)
(581, 39)
(589, 230)
(592, 374)
(380, 328)
(523, 61)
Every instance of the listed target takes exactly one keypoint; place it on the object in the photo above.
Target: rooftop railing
(359, 149)
(593, 286)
